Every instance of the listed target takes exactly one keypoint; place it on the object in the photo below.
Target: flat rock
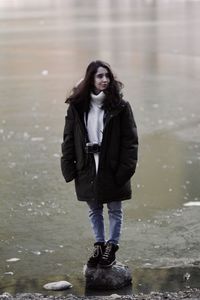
(58, 285)
(116, 277)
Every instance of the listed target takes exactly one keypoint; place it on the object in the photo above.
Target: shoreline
(192, 294)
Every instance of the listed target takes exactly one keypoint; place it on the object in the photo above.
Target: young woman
(99, 151)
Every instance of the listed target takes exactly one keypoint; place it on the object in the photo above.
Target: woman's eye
(100, 76)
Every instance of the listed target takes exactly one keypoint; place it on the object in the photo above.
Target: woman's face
(101, 79)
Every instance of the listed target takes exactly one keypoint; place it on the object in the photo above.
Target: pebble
(192, 294)
(58, 285)
(186, 276)
(5, 296)
(115, 296)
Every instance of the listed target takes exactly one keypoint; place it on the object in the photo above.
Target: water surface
(153, 47)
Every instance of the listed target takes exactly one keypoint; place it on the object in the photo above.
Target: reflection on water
(172, 279)
(154, 48)
(145, 281)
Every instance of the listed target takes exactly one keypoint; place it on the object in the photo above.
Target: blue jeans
(97, 220)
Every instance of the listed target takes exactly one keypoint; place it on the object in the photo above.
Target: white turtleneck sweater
(94, 122)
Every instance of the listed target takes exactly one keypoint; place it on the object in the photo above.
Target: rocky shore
(192, 294)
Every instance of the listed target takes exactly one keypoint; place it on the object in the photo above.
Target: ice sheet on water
(26, 135)
(45, 72)
(14, 259)
(155, 105)
(11, 164)
(37, 139)
(36, 252)
(170, 123)
(41, 208)
(49, 251)
(9, 273)
(192, 203)
(10, 134)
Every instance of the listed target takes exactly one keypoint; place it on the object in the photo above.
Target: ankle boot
(98, 251)
(108, 258)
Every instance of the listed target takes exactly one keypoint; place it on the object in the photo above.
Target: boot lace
(107, 251)
(96, 251)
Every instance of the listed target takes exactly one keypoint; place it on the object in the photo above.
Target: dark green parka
(117, 159)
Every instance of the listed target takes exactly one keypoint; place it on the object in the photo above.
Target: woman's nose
(105, 79)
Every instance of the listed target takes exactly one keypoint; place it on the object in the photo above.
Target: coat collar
(81, 109)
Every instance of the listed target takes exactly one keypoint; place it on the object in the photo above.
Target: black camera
(92, 148)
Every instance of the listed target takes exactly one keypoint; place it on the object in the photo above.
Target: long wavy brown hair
(81, 92)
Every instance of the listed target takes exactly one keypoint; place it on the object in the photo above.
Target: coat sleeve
(128, 146)
(68, 160)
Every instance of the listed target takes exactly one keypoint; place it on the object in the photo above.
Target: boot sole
(92, 266)
(107, 266)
